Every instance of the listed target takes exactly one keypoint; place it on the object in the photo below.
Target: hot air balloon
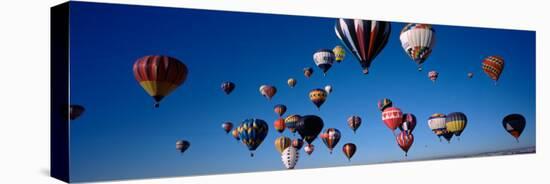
(493, 66)
(470, 75)
(384, 103)
(279, 125)
(392, 117)
(354, 122)
(324, 58)
(159, 75)
(447, 135)
(235, 134)
(365, 38)
(309, 149)
(349, 150)
(436, 122)
(514, 124)
(75, 111)
(281, 143)
(331, 137)
(309, 127)
(297, 143)
(405, 141)
(227, 126)
(308, 72)
(182, 145)
(418, 41)
(409, 122)
(252, 133)
(290, 156)
(318, 97)
(328, 89)
(291, 82)
(228, 87)
(268, 91)
(291, 122)
(279, 109)
(433, 75)
(339, 52)
(455, 123)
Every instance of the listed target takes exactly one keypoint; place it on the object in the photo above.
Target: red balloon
(392, 117)
(279, 125)
(405, 141)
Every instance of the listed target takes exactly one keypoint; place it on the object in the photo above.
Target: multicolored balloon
(331, 137)
(290, 157)
(324, 58)
(75, 111)
(455, 123)
(297, 143)
(159, 75)
(309, 127)
(354, 122)
(433, 75)
(279, 125)
(308, 72)
(292, 121)
(409, 123)
(405, 141)
(340, 53)
(227, 126)
(281, 143)
(228, 87)
(349, 150)
(493, 66)
(291, 82)
(437, 124)
(268, 91)
(279, 109)
(318, 97)
(514, 124)
(182, 145)
(418, 41)
(365, 38)
(392, 117)
(309, 149)
(252, 133)
(384, 103)
(328, 89)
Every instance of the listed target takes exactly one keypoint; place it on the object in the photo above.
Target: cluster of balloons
(447, 126)
(394, 118)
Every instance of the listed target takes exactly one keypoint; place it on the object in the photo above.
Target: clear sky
(121, 135)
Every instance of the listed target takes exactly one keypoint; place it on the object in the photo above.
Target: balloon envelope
(309, 127)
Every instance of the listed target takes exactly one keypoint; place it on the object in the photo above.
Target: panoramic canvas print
(165, 92)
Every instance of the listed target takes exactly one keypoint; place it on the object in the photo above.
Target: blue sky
(122, 136)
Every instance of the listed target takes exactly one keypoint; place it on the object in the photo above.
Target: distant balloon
(228, 87)
(405, 141)
(392, 117)
(418, 41)
(323, 59)
(182, 145)
(235, 134)
(159, 75)
(308, 72)
(331, 137)
(328, 89)
(297, 143)
(384, 103)
(309, 149)
(409, 123)
(75, 111)
(281, 143)
(227, 126)
(433, 75)
(340, 53)
(354, 122)
(291, 82)
(268, 91)
(252, 133)
(493, 66)
(349, 150)
(292, 121)
(514, 124)
(456, 122)
(436, 122)
(470, 75)
(290, 157)
(280, 109)
(279, 125)
(309, 127)
(318, 97)
(364, 38)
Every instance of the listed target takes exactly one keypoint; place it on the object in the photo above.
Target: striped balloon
(365, 38)
(291, 122)
(405, 141)
(354, 122)
(279, 109)
(252, 133)
(324, 58)
(493, 66)
(456, 122)
(281, 143)
(318, 97)
(349, 150)
(330, 137)
(159, 75)
(418, 41)
(392, 117)
(339, 52)
(437, 124)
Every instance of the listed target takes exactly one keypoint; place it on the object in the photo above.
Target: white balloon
(328, 89)
(290, 157)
